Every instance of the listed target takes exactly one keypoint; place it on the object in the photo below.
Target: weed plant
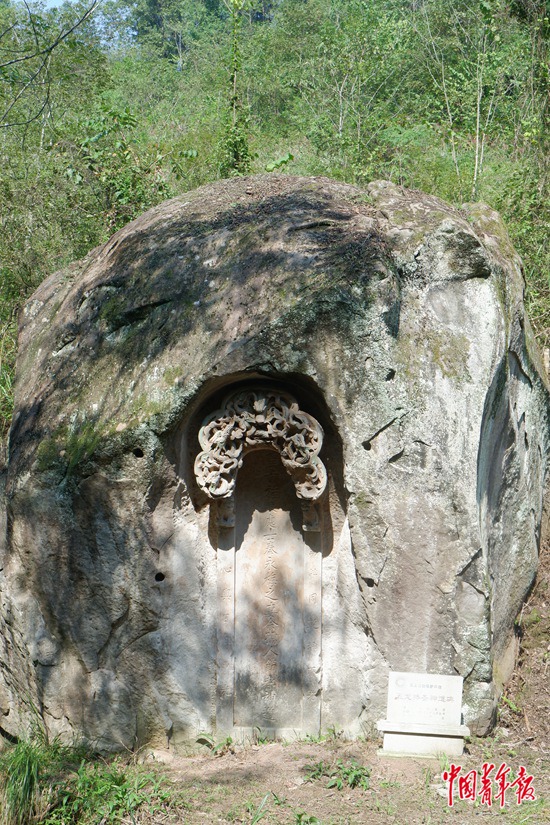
(342, 776)
(30, 774)
(21, 773)
(51, 784)
(302, 818)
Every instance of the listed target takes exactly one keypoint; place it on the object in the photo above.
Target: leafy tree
(148, 98)
(124, 178)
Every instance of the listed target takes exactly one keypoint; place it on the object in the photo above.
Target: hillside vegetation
(109, 109)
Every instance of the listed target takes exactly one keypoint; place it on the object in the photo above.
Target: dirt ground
(271, 783)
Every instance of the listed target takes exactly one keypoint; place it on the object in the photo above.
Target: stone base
(421, 740)
(243, 735)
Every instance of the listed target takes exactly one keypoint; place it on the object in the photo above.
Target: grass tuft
(50, 784)
(21, 792)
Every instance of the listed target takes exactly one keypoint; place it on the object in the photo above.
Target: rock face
(274, 439)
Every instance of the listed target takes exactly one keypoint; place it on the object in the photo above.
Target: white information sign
(424, 715)
(425, 698)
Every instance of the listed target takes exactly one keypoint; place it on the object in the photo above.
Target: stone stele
(276, 438)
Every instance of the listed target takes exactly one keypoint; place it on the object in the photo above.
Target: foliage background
(109, 109)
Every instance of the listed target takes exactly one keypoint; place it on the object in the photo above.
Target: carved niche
(255, 419)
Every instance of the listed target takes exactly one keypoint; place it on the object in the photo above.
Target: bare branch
(40, 74)
(8, 30)
(59, 39)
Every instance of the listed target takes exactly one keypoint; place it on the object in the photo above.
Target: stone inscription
(273, 619)
(272, 638)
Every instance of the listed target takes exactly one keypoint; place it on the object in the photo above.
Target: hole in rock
(369, 582)
(396, 457)
(390, 375)
(138, 452)
(367, 445)
(159, 577)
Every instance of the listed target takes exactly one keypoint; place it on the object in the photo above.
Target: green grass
(341, 776)
(30, 773)
(48, 783)
(7, 369)
(21, 797)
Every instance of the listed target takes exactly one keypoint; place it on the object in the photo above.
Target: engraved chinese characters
(258, 419)
(260, 466)
(269, 614)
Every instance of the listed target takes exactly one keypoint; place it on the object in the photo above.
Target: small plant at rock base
(223, 747)
(260, 738)
(306, 819)
(218, 748)
(341, 776)
(205, 739)
(315, 738)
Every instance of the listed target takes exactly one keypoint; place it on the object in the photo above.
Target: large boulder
(275, 438)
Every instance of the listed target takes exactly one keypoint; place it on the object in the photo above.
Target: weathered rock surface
(134, 607)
